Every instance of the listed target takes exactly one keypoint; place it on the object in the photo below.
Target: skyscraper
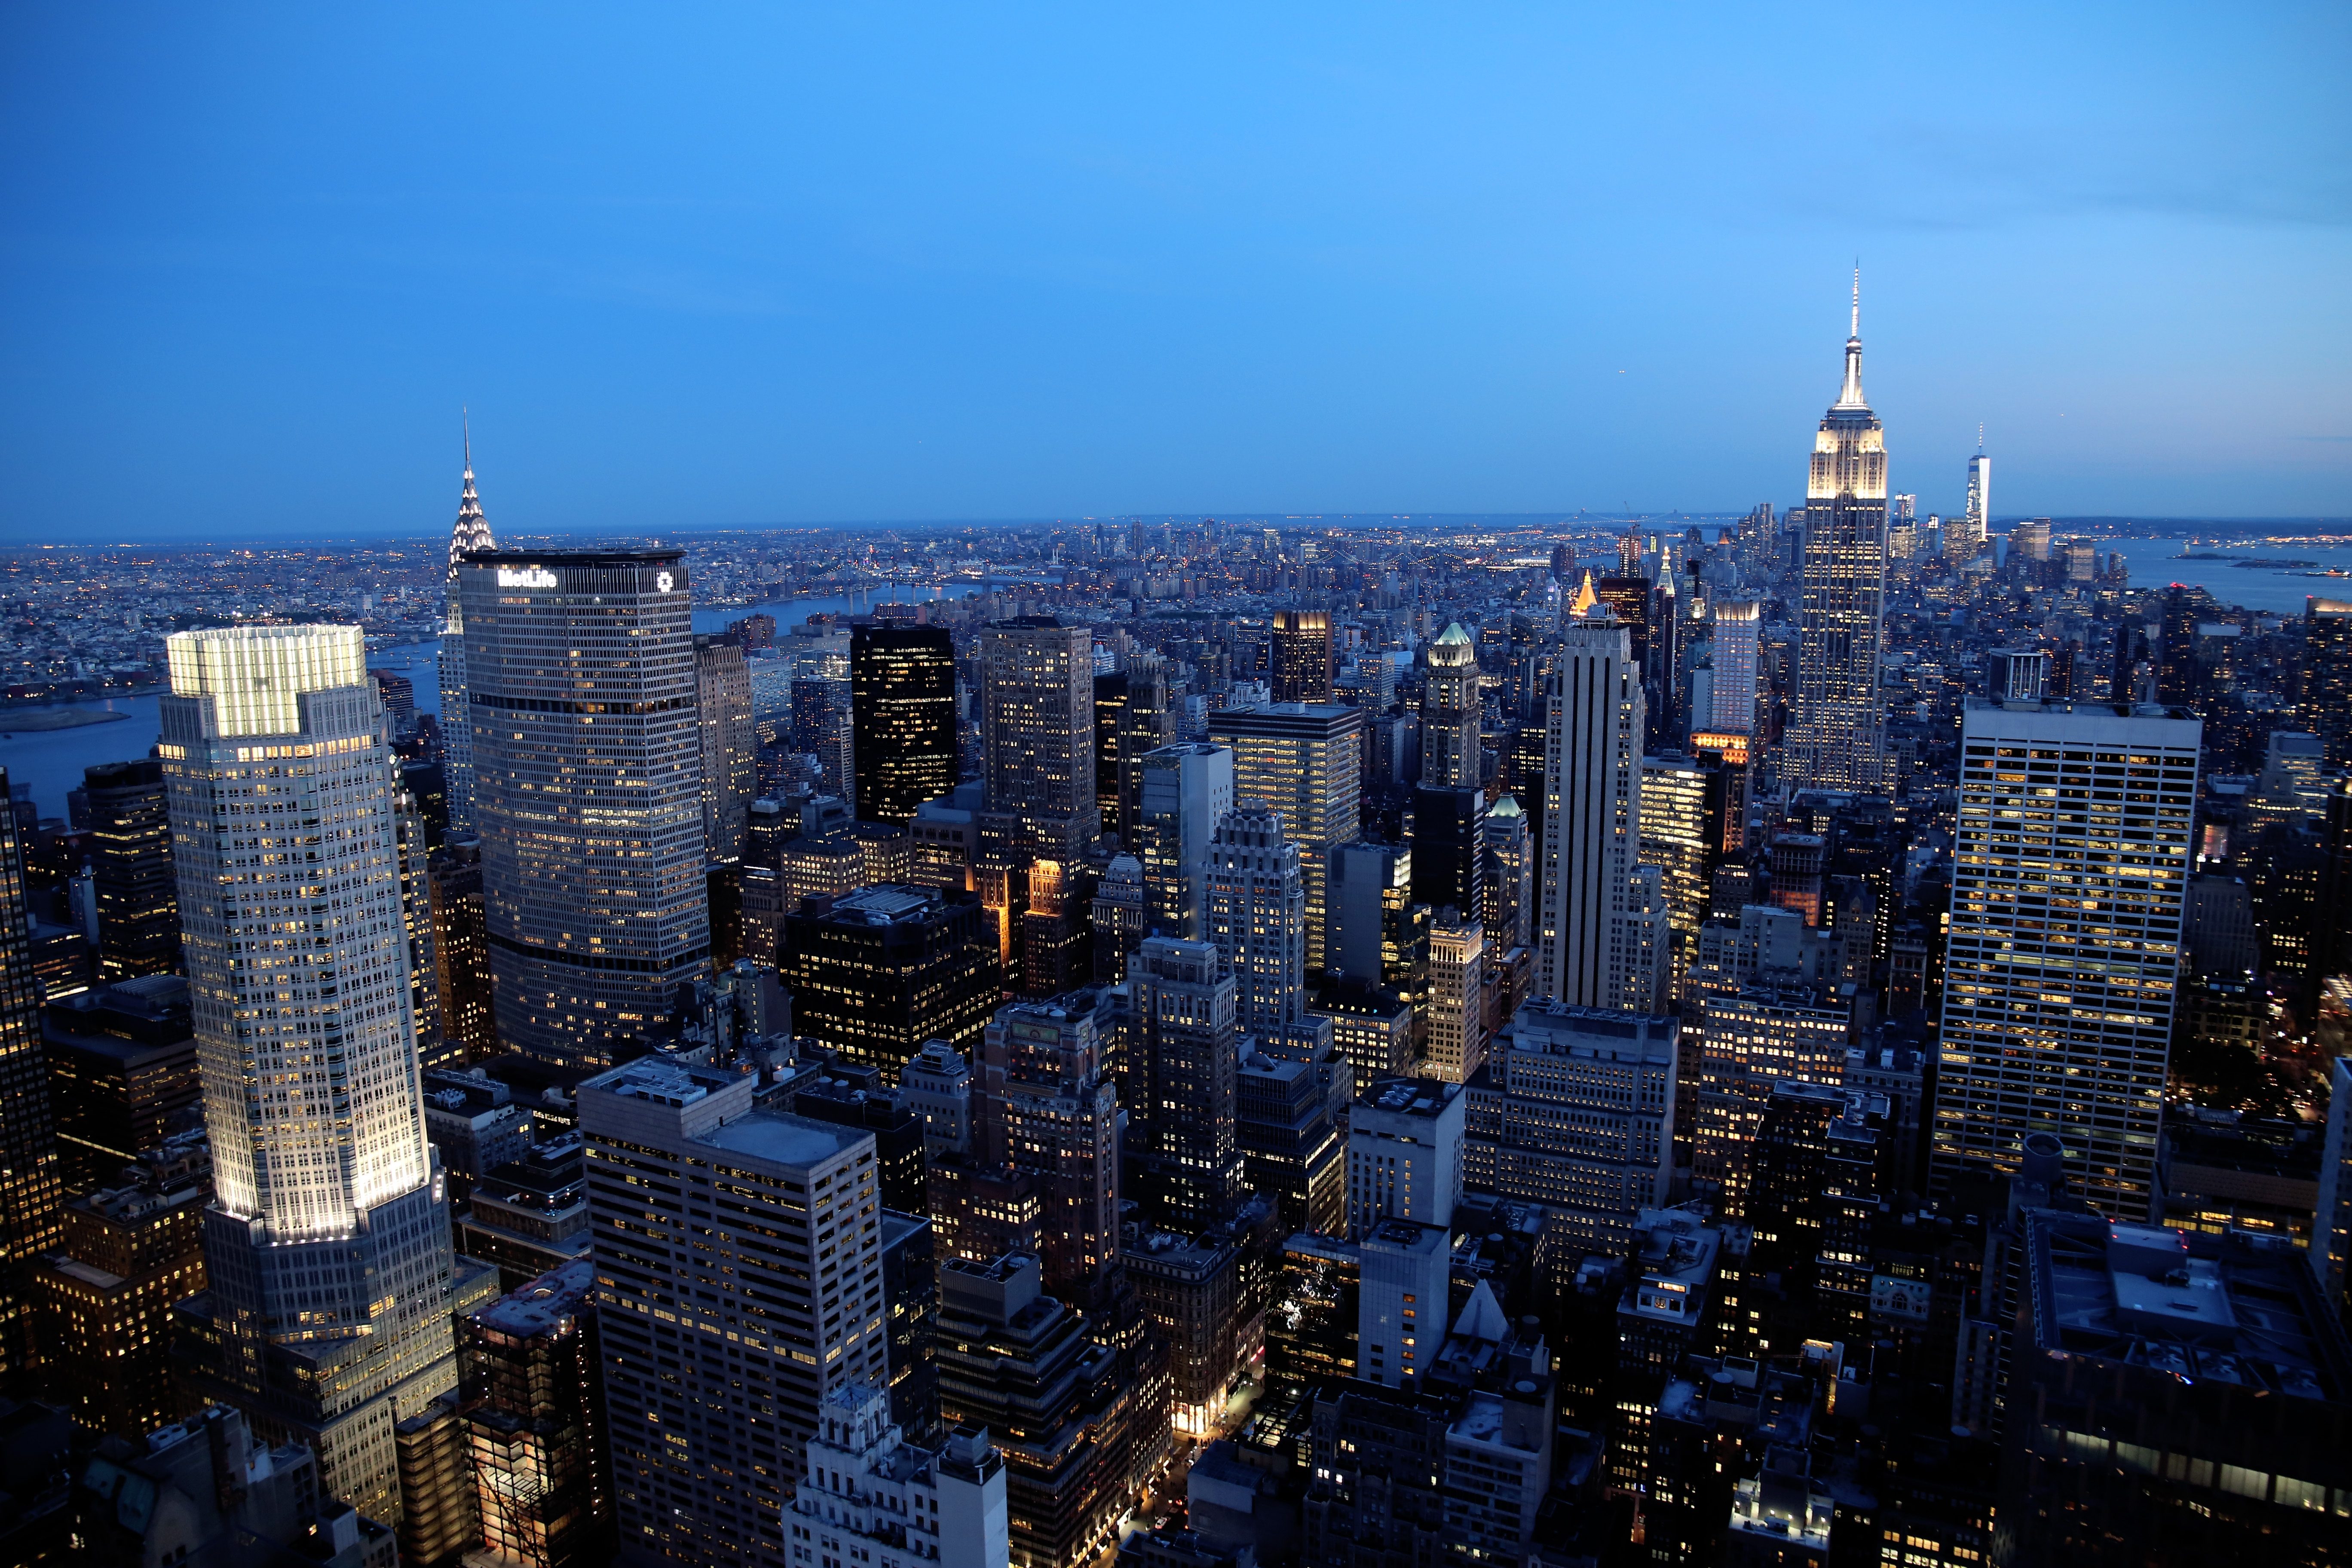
(1731, 700)
(1965, 536)
(1183, 792)
(1680, 832)
(1838, 738)
(2071, 871)
(2327, 709)
(1042, 1104)
(824, 726)
(588, 792)
(131, 865)
(719, 1348)
(542, 1456)
(1037, 706)
(31, 1185)
(1302, 655)
(1457, 998)
(876, 973)
(902, 695)
(1450, 709)
(1257, 917)
(1305, 761)
(472, 533)
(730, 750)
(328, 1240)
(1592, 766)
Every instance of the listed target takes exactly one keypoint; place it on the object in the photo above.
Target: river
(51, 760)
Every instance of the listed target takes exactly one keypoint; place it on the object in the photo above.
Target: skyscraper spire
(1850, 395)
(473, 529)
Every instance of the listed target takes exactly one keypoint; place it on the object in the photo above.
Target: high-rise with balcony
(332, 1282)
(472, 533)
(2070, 873)
(1450, 709)
(903, 713)
(1305, 761)
(1037, 684)
(1257, 917)
(588, 794)
(1837, 738)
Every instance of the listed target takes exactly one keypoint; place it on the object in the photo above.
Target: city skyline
(1276, 292)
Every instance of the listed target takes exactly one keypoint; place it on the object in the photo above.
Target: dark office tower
(1819, 1170)
(541, 1461)
(1302, 655)
(1447, 871)
(2178, 678)
(327, 1245)
(729, 749)
(130, 847)
(433, 1047)
(1147, 722)
(461, 949)
(1019, 1364)
(824, 727)
(30, 1187)
(902, 698)
(1110, 712)
(1183, 1050)
(1634, 600)
(131, 1251)
(1037, 692)
(399, 694)
(875, 974)
(1838, 740)
(588, 792)
(2327, 709)
(122, 1074)
(1042, 1104)
(472, 533)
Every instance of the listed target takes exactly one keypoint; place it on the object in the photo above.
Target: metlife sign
(526, 577)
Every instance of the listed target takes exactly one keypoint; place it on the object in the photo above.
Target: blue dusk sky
(707, 266)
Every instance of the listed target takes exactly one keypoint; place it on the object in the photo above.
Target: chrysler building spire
(473, 529)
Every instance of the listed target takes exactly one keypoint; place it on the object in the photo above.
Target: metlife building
(588, 792)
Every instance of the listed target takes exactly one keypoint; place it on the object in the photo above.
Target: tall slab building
(330, 1315)
(32, 1187)
(2070, 875)
(471, 532)
(1586, 863)
(588, 792)
(1838, 737)
(1037, 694)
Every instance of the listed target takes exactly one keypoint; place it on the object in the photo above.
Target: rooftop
(542, 1305)
(784, 1139)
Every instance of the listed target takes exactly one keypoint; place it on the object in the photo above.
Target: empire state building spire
(1850, 395)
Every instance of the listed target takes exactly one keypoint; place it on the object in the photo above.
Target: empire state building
(1838, 740)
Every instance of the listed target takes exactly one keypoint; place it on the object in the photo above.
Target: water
(2154, 564)
(52, 760)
